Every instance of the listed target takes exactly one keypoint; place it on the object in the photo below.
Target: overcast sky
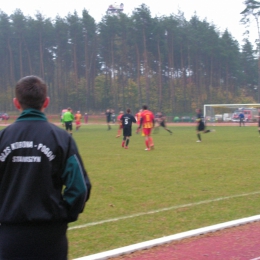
(225, 14)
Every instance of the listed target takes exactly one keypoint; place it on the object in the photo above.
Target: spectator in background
(241, 118)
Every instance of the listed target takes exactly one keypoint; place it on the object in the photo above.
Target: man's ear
(46, 102)
(17, 104)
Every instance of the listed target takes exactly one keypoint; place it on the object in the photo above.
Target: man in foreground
(43, 183)
(147, 122)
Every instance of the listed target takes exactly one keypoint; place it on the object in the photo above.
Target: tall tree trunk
(28, 57)
(112, 74)
(41, 55)
(146, 70)
(75, 65)
(11, 64)
(138, 75)
(171, 72)
(87, 68)
(159, 77)
(20, 57)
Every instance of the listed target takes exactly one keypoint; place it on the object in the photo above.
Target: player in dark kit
(108, 118)
(127, 120)
(161, 119)
(200, 125)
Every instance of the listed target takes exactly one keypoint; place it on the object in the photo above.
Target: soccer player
(200, 125)
(127, 120)
(138, 118)
(78, 117)
(113, 116)
(86, 118)
(147, 122)
(108, 118)
(43, 183)
(120, 123)
(161, 119)
(68, 118)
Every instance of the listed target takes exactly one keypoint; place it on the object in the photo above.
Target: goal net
(230, 112)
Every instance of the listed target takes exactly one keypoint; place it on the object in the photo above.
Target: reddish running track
(237, 243)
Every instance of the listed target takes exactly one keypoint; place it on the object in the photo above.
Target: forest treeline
(169, 63)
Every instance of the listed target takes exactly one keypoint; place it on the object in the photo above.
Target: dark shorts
(162, 124)
(127, 131)
(68, 125)
(31, 242)
(201, 127)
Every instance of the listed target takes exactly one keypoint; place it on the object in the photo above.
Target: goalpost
(209, 108)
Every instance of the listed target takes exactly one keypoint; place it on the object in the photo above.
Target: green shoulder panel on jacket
(75, 192)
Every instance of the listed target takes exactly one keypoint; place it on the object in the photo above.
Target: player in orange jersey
(120, 127)
(78, 117)
(147, 122)
(138, 118)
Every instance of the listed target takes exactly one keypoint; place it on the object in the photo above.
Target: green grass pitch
(131, 188)
(179, 186)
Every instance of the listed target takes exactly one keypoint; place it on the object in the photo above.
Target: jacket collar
(32, 114)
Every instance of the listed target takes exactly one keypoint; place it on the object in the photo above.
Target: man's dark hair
(145, 107)
(128, 110)
(31, 92)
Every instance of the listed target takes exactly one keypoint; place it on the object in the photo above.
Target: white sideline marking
(256, 258)
(168, 239)
(160, 210)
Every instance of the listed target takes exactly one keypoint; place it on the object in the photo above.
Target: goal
(229, 112)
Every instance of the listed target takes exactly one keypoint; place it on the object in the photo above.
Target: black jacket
(42, 177)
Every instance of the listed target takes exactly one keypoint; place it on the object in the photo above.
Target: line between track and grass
(161, 210)
(164, 240)
(160, 241)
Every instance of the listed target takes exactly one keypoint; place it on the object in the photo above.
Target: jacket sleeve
(77, 186)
